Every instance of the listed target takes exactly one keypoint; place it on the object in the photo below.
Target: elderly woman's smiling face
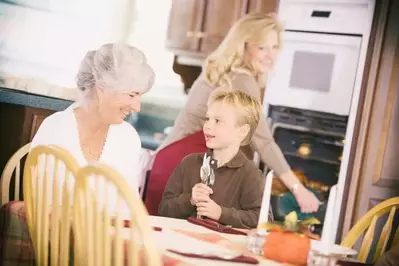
(112, 80)
(115, 105)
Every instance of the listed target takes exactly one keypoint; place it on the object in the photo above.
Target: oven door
(315, 71)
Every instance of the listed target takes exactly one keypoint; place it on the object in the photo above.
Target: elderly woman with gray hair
(111, 81)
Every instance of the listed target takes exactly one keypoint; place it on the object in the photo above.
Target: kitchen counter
(24, 98)
(171, 98)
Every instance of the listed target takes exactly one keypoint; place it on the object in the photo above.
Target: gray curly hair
(115, 66)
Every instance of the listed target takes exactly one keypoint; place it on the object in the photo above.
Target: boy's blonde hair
(229, 56)
(248, 108)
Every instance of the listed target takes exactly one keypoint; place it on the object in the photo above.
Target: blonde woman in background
(242, 61)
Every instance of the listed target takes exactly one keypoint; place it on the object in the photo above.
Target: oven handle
(304, 129)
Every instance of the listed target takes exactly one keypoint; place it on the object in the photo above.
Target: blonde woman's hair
(248, 108)
(229, 56)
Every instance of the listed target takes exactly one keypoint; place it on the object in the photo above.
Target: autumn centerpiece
(289, 241)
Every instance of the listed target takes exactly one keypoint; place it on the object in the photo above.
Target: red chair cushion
(165, 162)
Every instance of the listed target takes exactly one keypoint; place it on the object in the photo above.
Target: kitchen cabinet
(185, 19)
(32, 121)
(197, 27)
(18, 126)
(215, 26)
(262, 6)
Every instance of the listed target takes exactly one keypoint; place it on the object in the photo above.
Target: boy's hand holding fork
(200, 197)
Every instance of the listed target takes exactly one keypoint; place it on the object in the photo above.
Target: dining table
(172, 235)
(179, 234)
(179, 241)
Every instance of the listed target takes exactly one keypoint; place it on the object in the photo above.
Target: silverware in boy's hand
(211, 178)
(205, 173)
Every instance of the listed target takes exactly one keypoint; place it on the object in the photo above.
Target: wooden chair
(100, 195)
(48, 182)
(369, 221)
(13, 166)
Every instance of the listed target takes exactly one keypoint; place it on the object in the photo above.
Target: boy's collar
(238, 160)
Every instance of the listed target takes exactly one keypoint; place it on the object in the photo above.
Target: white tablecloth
(170, 239)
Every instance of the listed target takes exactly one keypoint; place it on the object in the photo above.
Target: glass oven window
(312, 71)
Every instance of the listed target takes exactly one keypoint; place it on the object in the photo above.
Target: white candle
(264, 210)
(327, 239)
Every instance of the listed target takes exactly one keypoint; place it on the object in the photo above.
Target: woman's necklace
(91, 143)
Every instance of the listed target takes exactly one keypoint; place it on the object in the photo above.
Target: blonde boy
(236, 195)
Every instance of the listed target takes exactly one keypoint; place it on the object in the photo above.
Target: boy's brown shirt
(238, 189)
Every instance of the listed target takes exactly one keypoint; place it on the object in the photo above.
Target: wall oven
(315, 72)
(316, 84)
(318, 64)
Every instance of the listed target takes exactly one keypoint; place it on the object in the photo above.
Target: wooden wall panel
(375, 166)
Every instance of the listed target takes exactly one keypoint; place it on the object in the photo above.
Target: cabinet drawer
(34, 117)
(37, 120)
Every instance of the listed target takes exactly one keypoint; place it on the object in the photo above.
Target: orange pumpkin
(287, 247)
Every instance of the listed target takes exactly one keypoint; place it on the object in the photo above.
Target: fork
(205, 175)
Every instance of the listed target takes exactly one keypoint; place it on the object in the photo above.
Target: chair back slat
(385, 234)
(99, 231)
(17, 180)
(367, 240)
(66, 227)
(55, 217)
